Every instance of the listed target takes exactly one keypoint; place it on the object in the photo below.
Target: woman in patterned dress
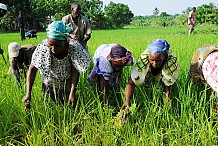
(109, 60)
(204, 66)
(60, 61)
(157, 63)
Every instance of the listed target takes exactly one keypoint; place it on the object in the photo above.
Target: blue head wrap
(158, 46)
(58, 31)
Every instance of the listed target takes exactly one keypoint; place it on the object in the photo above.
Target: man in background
(191, 20)
(21, 25)
(81, 28)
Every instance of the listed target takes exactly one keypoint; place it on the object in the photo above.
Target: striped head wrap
(58, 31)
(119, 55)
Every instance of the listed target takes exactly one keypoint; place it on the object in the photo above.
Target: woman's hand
(26, 101)
(125, 105)
(71, 100)
(30, 80)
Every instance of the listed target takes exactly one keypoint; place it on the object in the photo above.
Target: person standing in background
(191, 20)
(21, 26)
(81, 28)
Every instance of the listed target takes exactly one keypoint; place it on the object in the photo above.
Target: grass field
(188, 122)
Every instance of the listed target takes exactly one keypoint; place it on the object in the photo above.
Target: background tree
(38, 13)
(94, 12)
(207, 14)
(118, 15)
(164, 14)
(63, 7)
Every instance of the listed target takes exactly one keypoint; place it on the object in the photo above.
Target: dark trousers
(22, 34)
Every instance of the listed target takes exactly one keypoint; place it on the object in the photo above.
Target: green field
(188, 122)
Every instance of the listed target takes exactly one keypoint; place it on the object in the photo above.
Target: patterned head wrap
(58, 31)
(158, 47)
(119, 55)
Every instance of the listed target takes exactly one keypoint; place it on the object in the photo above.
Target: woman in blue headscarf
(157, 63)
(60, 61)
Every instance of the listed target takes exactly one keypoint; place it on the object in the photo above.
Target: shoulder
(143, 59)
(191, 13)
(103, 50)
(28, 47)
(171, 57)
(66, 18)
(171, 64)
(74, 44)
(83, 18)
(42, 47)
(105, 47)
(75, 48)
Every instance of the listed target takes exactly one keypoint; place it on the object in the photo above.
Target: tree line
(39, 13)
(205, 14)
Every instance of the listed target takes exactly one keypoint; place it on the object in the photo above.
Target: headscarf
(58, 31)
(158, 47)
(119, 55)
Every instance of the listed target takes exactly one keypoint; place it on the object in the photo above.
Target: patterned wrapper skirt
(210, 70)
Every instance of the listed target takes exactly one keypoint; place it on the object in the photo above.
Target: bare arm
(87, 37)
(75, 80)
(167, 91)
(129, 93)
(29, 83)
(15, 70)
(104, 87)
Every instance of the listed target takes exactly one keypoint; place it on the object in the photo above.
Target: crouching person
(204, 67)
(20, 58)
(109, 60)
(60, 61)
(156, 64)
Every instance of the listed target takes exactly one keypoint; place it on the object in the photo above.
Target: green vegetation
(38, 13)
(151, 122)
(205, 14)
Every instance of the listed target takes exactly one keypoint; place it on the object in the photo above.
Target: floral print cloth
(55, 71)
(210, 70)
(198, 58)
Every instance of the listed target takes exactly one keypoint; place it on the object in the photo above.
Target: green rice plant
(152, 122)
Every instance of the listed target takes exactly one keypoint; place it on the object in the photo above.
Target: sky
(146, 7)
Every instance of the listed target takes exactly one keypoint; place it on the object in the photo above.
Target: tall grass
(152, 122)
